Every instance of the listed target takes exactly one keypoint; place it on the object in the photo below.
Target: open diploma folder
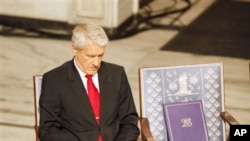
(185, 121)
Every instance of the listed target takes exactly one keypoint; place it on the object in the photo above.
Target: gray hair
(93, 32)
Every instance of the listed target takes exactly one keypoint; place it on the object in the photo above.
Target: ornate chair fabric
(166, 85)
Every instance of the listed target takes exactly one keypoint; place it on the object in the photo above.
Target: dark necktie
(94, 98)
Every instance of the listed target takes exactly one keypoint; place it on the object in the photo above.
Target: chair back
(175, 84)
(37, 83)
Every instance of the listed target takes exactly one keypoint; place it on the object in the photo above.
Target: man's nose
(96, 61)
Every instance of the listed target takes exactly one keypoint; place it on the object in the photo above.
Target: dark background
(223, 30)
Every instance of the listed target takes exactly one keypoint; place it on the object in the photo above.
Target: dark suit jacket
(65, 111)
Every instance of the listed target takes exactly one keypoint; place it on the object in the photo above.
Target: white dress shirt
(84, 79)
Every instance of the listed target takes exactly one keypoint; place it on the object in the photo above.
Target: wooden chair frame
(146, 132)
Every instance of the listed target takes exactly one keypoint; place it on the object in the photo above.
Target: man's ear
(74, 49)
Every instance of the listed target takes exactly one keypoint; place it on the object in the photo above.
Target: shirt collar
(84, 79)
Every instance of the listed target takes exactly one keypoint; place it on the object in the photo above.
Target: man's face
(89, 58)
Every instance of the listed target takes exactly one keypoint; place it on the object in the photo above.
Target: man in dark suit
(66, 113)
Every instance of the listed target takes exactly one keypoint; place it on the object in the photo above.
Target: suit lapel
(104, 84)
(78, 89)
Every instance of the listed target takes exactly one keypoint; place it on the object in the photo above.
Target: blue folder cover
(185, 121)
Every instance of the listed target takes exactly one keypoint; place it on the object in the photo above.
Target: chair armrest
(226, 116)
(145, 130)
